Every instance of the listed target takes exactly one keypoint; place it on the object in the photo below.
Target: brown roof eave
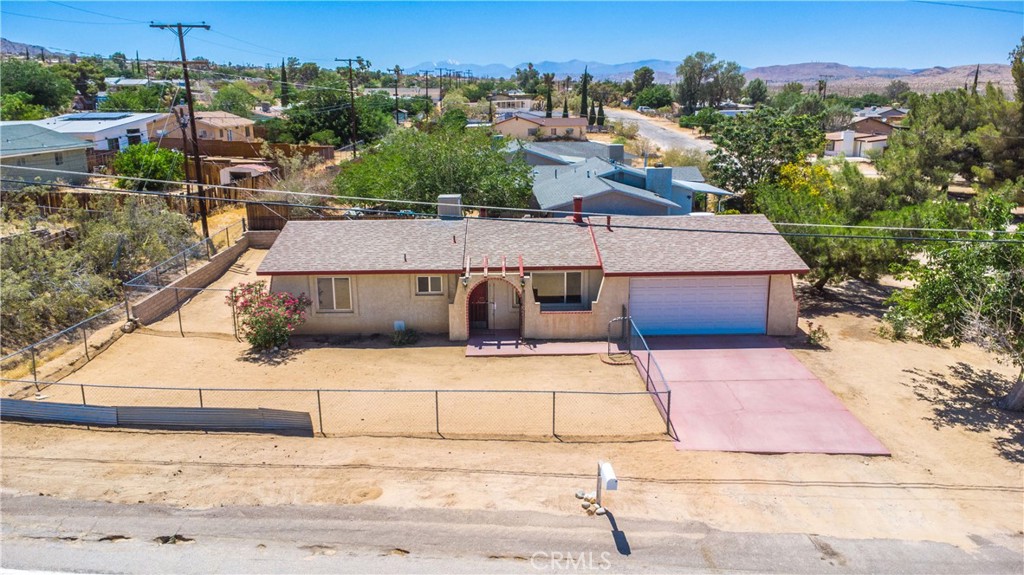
(708, 273)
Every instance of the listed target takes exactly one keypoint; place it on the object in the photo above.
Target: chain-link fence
(62, 353)
(651, 373)
(446, 413)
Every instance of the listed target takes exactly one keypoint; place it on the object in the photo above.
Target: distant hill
(8, 47)
(812, 71)
(665, 70)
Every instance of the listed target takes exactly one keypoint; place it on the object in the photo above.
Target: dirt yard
(955, 475)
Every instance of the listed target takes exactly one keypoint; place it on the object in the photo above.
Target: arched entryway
(494, 306)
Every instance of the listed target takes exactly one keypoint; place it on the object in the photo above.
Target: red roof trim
(708, 273)
(421, 272)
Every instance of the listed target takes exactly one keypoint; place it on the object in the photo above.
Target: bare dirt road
(662, 132)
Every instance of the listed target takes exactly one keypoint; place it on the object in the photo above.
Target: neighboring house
(870, 125)
(266, 111)
(562, 153)
(24, 144)
(108, 130)
(225, 126)
(413, 92)
(117, 83)
(530, 126)
(854, 144)
(886, 114)
(565, 280)
(611, 188)
(510, 104)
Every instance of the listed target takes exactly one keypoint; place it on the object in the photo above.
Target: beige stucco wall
(607, 297)
(378, 300)
(520, 128)
(782, 306)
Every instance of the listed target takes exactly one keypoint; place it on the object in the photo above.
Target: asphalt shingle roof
(691, 245)
(703, 249)
(555, 186)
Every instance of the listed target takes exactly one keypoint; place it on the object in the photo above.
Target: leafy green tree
(791, 94)
(756, 92)
(120, 61)
(136, 99)
(86, 75)
(752, 148)
(970, 293)
(19, 106)
(526, 79)
(236, 99)
(643, 78)
(47, 88)
(415, 165)
(656, 96)
(896, 89)
(1017, 69)
(149, 161)
(703, 80)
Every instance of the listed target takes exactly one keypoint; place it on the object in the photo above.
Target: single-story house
(563, 153)
(887, 114)
(871, 125)
(110, 131)
(540, 279)
(608, 187)
(529, 126)
(511, 103)
(24, 144)
(225, 126)
(854, 144)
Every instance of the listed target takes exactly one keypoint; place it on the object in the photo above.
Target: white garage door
(699, 305)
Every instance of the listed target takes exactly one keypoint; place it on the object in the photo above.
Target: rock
(600, 511)
(585, 504)
(128, 327)
(579, 494)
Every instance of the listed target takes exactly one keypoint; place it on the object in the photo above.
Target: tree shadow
(270, 358)
(966, 398)
(856, 297)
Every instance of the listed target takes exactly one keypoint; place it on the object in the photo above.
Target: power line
(97, 13)
(469, 206)
(68, 21)
(972, 7)
(545, 221)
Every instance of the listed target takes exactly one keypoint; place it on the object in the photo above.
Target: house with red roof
(542, 278)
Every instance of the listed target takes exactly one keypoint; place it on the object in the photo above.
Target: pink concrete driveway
(748, 393)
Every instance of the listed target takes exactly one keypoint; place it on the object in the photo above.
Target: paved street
(48, 534)
(664, 137)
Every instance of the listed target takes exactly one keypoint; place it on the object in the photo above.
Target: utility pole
(398, 78)
(352, 99)
(426, 73)
(440, 84)
(182, 29)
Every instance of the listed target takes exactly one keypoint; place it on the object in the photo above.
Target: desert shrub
(267, 318)
(817, 336)
(404, 337)
(151, 162)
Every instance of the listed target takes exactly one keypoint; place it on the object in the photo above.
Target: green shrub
(817, 336)
(267, 318)
(403, 337)
(149, 161)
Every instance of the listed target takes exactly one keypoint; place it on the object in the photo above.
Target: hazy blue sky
(867, 33)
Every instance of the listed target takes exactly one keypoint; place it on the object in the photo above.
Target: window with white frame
(558, 287)
(334, 294)
(428, 285)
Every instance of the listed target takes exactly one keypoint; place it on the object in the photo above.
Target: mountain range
(841, 77)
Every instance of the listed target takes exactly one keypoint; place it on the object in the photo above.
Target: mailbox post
(605, 480)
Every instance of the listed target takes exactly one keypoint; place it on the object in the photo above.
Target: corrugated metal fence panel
(57, 412)
(297, 423)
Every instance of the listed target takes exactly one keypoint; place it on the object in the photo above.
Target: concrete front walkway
(749, 393)
(509, 344)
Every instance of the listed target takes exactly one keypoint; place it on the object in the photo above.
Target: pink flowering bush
(267, 319)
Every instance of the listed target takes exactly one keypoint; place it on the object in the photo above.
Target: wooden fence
(251, 149)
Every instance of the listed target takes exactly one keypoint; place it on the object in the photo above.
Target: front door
(479, 308)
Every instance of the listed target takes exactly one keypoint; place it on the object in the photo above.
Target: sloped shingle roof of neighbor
(369, 246)
(225, 119)
(542, 242)
(703, 248)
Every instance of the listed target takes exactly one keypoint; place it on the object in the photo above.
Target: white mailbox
(607, 475)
